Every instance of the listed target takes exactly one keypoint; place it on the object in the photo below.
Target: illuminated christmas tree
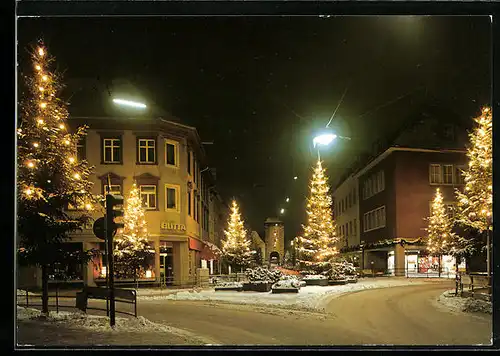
(49, 177)
(476, 201)
(440, 238)
(316, 246)
(132, 250)
(236, 246)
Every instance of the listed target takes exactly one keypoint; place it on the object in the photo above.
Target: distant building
(258, 245)
(387, 196)
(275, 240)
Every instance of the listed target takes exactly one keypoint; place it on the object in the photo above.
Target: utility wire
(338, 105)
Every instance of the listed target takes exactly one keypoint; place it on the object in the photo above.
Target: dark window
(194, 169)
(189, 162)
(171, 201)
(189, 202)
(81, 152)
(170, 148)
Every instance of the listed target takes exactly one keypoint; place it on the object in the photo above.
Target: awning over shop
(195, 244)
(210, 251)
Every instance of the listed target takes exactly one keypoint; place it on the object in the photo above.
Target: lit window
(147, 152)
(435, 174)
(171, 194)
(447, 174)
(112, 150)
(148, 196)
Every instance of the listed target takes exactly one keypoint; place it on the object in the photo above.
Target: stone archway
(274, 258)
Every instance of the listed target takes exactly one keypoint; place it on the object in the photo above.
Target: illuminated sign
(166, 225)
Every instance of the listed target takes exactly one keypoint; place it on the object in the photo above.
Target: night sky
(259, 87)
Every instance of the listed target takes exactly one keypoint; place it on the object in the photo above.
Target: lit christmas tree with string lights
(316, 246)
(236, 246)
(440, 236)
(49, 177)
(132, 250)
(475, 203)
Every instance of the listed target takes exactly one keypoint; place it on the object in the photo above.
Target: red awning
(195, 244)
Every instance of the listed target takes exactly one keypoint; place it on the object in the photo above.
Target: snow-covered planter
(315, 280)
(286, 286)
(257, 286)
(352, 279)
(337, 281)
(234, 286)
(263, 274)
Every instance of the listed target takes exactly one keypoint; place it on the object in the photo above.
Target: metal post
(57, 298)
(27, 299)
(111, 279)
(488, 269)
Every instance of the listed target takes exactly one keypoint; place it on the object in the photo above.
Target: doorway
(166, 266)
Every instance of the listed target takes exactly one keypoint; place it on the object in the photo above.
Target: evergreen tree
(317, 244)
(132, 250)
(49, 176)
(476, 201)
(236, 246)
(440, 237)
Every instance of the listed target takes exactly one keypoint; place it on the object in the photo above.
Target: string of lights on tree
(47, 153)
(476, 201)
(440, 237)
(131, 243)
(236, 246)
(317, 244)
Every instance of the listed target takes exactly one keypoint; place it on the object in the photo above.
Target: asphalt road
(405, 315)
(390, 316)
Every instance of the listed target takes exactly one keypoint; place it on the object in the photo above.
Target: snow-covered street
(308, 298)
(408, 313)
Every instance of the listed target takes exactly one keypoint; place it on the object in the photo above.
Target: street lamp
(326, 137)
(282, 211)
(129, 103)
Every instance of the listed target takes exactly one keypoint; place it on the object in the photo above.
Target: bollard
(57, 299)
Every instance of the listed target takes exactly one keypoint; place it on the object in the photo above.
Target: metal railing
(478, 285)
(406, 272)
(24, 300)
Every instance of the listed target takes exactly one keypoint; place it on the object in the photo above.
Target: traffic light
(114, 209)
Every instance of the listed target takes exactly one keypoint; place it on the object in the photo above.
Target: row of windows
(149, 198)
(346, 202)
(374, 219)
(346, 230)
(373, 185)
(112, 151)
(446, 174)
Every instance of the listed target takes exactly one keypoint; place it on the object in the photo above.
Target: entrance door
(166, 267)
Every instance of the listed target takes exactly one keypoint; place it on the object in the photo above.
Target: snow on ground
(99, 323)
(308, 298)
(459, 304)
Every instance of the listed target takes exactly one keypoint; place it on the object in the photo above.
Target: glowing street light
(282, 211)
(133, 104)
(287, 200)
(324, 139)
(295, 178)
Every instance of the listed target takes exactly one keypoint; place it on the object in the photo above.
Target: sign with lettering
(167, 225)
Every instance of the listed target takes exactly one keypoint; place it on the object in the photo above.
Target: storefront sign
(195, 244)
(166, 225)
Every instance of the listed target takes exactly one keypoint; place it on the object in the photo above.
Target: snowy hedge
(263, 275)
(287, 284)
(229, 285)
(314, 276)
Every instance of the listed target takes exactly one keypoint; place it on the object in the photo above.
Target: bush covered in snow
(340, 269)
(263, 274)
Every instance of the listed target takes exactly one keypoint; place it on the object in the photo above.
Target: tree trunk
(45, 289)
(439, 266)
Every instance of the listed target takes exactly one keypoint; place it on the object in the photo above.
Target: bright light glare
(287, 200)
(324, 139)
(129, 103)
(295, 177)
(282, 211)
